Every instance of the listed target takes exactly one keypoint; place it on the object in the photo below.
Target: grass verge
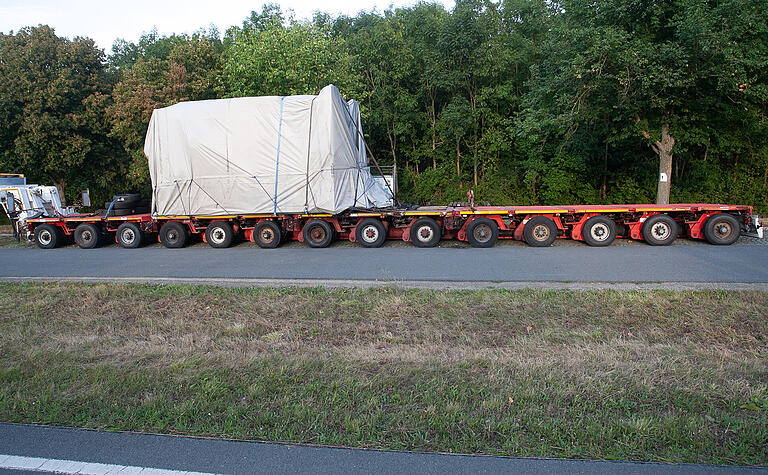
(664, 376)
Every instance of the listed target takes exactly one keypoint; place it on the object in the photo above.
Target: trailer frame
(567, 222)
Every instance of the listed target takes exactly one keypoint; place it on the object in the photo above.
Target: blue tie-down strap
(277, 160)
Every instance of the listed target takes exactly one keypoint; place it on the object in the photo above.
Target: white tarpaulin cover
(270, 154)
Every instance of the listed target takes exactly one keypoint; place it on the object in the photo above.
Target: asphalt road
(221, 456)
(745, 263)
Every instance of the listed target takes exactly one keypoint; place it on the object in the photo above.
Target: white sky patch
(104, 20)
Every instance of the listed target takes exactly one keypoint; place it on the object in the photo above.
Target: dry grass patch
(677, 376)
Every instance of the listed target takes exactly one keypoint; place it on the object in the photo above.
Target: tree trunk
(432, 124)
(604, 185)
(59, 184)
(663, 148)
(458, 159)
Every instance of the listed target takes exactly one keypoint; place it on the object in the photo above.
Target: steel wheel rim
(317, 233)
(425, 233)
(45, 237)
(541, 232)
(482, 233)
(723, 230)
(267, 235)
(661, 230)
(218, 235)
(600, 232)
(370, 234)
(172, 235)
(86, 235)
(128, 236)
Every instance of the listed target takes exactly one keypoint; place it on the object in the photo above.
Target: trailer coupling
(753, 228)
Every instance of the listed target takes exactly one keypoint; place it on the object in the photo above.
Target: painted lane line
(39, 464)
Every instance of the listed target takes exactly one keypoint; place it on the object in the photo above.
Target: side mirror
(86, 194)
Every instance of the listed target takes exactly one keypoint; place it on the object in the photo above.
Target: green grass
(666, 376)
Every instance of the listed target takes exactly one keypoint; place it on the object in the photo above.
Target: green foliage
(53, 125)
(266, 57)
(525, 101)
(170, 70)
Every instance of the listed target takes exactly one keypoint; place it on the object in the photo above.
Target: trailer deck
(481, 226)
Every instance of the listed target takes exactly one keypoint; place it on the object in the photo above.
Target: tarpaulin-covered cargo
(271, 154)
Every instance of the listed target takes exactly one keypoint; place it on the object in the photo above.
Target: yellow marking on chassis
(542, 211)
(604, 211)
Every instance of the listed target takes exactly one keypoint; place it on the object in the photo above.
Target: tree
(52, 104)
(180, 68)
(661, 71)
(266, 57)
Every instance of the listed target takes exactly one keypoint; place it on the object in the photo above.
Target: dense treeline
(525, 101)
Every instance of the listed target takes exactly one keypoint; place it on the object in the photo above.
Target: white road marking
(39, 464)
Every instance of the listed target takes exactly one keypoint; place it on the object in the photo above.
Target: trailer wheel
(87, 236)
(540, 231)
(722, 229)
(219, 234)
(659, 230)
(482, 232)
(425, 232)
(267, 235)
(599, 231)
(48, 236)
(370, 232)
(129, 235)
(317, 233)
(174, 235)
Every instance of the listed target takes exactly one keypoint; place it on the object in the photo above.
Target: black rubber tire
(128, 212)
(370, 233)
(126, 201)
(540, 231)
(87, 236)
(219, 234)
(48, 236)
(267, 234)
(174, 235)
(120, 212)
(425, 232)
(599, 231)
(482, 232)
(722, 229)
(129, 235)
(318, 233)
(660, 230)
(127, 197)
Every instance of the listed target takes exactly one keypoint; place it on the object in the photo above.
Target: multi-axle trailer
(269, 169)
(480, 226)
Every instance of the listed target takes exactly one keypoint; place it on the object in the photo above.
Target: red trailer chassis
(481, 226)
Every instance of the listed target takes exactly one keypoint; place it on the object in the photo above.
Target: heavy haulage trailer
(270, 169)
(481, 226)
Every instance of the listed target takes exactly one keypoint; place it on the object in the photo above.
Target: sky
(106, 20)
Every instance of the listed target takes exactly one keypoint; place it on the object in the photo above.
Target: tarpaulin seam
(277, 160)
